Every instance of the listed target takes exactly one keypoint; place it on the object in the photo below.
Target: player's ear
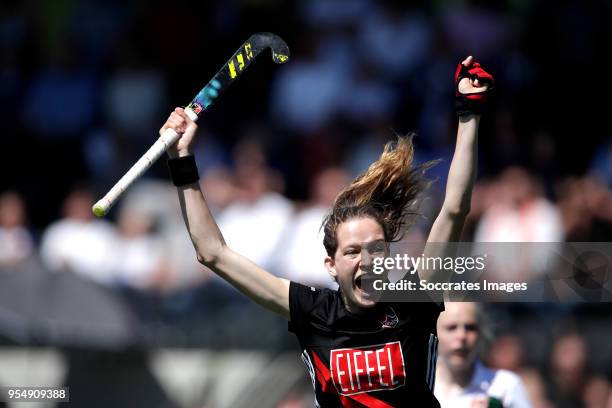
(330, 264)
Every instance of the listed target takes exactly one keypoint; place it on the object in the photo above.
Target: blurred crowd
(84, 86)
(86, 83)
(565, 380)
(147, 248)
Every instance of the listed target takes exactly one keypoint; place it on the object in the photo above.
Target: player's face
(458, 333)
(359, 241)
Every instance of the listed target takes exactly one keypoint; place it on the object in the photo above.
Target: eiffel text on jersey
(369, 368)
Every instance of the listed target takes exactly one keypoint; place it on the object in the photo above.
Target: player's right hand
(185, 127)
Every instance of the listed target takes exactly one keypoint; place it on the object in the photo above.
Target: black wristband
(464, 106)
(183, 170)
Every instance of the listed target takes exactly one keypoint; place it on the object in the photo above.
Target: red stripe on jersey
(324, 378)
(323, 374)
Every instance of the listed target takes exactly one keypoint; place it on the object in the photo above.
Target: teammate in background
(462, 381)
(359, 353)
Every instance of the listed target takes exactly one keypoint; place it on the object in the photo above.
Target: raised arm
(261, 286)
(472, 86)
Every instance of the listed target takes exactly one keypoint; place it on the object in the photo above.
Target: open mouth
(365, 283)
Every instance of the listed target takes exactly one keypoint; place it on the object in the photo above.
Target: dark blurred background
(120, 310)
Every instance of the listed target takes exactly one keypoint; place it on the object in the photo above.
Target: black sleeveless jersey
(384, 357)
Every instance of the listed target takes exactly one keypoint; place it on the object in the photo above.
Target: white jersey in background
(504, 385)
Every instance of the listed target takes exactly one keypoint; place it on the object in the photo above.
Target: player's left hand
(472, 86)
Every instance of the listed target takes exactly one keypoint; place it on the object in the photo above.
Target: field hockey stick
(232, 69)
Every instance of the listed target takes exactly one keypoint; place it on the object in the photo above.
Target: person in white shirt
(295, 259)
(79, 243)
(461, 379)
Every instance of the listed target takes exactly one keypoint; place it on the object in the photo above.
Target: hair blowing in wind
(387, 191)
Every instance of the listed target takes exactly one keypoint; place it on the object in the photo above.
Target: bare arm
(456, 206)
(261, 286)
(449, 224)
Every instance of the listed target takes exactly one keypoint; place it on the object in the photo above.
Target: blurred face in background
(327, 184)
(458, 335)
(507, 353)
(517, 186)
(134, 223)
(568, 362)
(77, 205)
(359, 241)
(12, 210)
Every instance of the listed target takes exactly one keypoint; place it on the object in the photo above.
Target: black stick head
(279, 48)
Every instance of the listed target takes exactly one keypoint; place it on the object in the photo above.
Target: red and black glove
(472, 103)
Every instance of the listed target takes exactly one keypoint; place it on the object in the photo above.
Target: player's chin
(364, 299)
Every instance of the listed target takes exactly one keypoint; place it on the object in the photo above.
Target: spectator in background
(519, 213)
(536, 388)
(507, 353)
(16, 242)
(139, 260)
(482, 199)
(461, 379)
(255, 223)
(78, 242)
(586, 209)
(220, 184)
(152, 201)
(300, 258)
(598, 393)
(570, 385)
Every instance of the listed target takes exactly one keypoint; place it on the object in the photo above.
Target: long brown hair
(388, 191)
